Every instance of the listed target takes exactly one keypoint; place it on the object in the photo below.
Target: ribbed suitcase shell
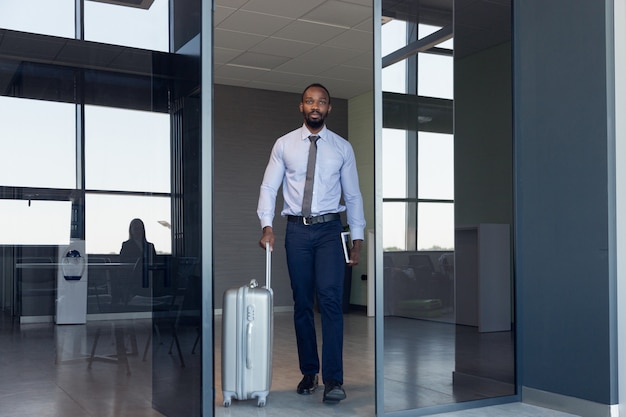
(247, 341)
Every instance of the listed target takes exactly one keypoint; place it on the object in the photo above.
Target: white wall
(361, 136)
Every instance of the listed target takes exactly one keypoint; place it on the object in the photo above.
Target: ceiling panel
(224, 55)
(354, 39)
(309, 32)
(253, 22)
(291, 9)
(235, 40)
(254, 59)
(301, 41)
(340, 13)
(282, 47)
(221, 13)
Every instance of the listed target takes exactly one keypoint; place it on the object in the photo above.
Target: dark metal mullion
(416, 200)
(78, 199)
(79, 19)
(130, 193)
(420, 45)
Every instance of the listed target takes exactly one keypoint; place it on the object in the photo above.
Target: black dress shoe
(307, 385)
(333, 392)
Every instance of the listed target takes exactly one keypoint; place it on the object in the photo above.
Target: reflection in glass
(435, 165)
(108, 218)
(437, 349)
(435, 67)
(394, 37)
(39, 136)
(435, 226)
(394, 163)
(395, 226)
(127, 150)
(46, 17)
(128, 26)
(65, 179)
(36, 222)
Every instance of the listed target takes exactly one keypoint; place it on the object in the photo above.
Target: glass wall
(101, 248)
(448, 333)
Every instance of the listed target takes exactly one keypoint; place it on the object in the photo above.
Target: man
(313, 244)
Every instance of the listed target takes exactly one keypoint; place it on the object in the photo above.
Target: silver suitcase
(247, 340)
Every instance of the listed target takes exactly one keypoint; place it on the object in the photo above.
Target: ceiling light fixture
(323, 24)
(248, 67)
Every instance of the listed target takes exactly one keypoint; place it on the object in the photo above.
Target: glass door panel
(101, 250)
(439, 239)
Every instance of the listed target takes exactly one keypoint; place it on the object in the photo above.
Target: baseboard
(358, 307)
(36, 319)
(566, 404)
(132, 315)
(483, 384)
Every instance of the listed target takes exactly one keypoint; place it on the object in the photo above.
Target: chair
(36, 286)
(431, 283)
(189, 314)
(99, 282)
(175, 306)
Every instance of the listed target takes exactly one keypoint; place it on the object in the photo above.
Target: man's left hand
(355, 252)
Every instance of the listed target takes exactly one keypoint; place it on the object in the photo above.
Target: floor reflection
(46, 368)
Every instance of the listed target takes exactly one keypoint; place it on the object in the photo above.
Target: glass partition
(446, 228)
(101, 250)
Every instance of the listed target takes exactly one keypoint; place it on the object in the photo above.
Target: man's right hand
(267, 237)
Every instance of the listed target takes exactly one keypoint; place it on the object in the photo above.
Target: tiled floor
(44, 371)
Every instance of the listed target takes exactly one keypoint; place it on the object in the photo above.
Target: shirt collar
(305, 133)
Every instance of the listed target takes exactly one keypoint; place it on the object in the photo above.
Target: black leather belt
(315, 219)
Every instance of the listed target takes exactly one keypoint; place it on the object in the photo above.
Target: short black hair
(315, 85)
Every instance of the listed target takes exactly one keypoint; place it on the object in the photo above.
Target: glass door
(447, 334)
(101, 249)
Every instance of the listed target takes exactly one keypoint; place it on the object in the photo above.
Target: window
(128, 26)
(418, 162)
(37, 136)
(108, 218)
(127, 150)
(35, 222)
(45, 17)
(127, 176)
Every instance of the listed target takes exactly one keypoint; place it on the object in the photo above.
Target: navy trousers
(317, 267)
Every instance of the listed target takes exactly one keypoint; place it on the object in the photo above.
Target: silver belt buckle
(304, 220)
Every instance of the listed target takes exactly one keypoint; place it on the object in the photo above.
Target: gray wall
(247, 123)
(560, 102)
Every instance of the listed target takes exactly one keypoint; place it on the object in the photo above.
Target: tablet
(346, 243)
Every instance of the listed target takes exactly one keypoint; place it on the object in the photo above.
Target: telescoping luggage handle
(268, 266)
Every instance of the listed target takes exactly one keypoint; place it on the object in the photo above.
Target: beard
(315, 123)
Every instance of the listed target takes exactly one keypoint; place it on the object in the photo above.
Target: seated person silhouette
(136, 255)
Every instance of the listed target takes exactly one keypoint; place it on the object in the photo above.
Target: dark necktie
(310, 175)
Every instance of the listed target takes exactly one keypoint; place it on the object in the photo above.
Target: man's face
(315, 107)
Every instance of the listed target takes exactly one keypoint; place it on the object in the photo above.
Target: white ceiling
(286, 45)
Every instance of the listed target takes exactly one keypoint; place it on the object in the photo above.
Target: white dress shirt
(335, 173)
